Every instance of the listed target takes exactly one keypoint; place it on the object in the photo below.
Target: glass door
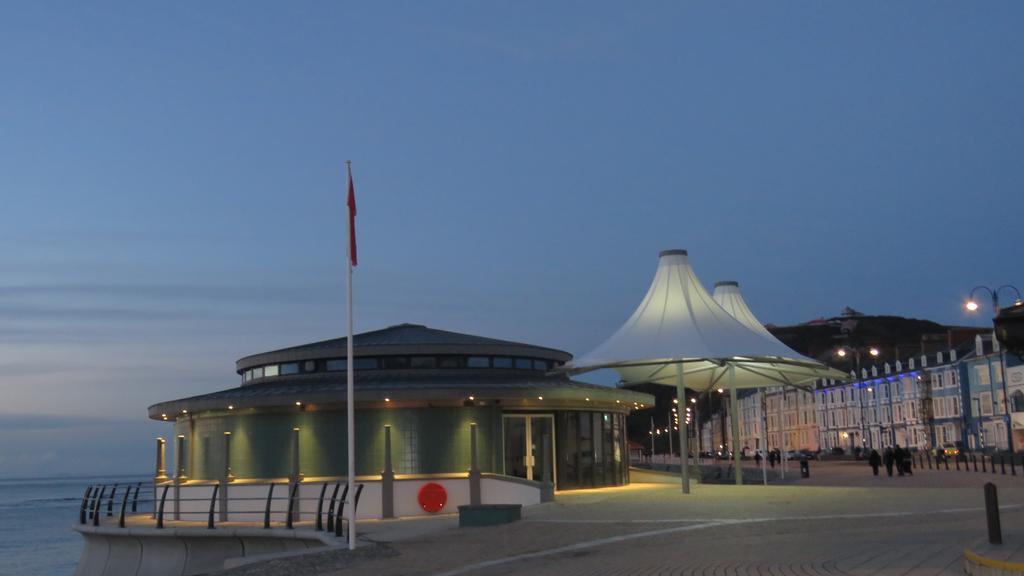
(530, 447)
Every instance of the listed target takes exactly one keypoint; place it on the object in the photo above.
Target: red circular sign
(432, 497)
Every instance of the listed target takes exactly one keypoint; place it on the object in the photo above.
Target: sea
(36, 519)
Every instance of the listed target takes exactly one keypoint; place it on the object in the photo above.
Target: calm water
(36, 516)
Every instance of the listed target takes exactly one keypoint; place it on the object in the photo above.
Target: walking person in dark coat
(899, 455)
(875, 461)
(887, 458)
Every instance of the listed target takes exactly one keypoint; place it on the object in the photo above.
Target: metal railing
(967, 462)
(142, 499)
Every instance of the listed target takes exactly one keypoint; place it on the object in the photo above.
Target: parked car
(947, 449)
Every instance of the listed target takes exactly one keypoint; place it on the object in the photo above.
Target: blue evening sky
(171, 177)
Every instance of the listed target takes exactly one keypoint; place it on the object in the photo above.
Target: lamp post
(972, 306)
(844, 351)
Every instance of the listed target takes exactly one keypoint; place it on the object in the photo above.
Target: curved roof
(727, 295)
(406, 385)
(678, 322)
(403, 339)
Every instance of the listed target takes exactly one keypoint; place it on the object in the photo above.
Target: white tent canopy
(680, 322)
(679, 335)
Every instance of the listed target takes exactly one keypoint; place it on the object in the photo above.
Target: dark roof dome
(403, 339)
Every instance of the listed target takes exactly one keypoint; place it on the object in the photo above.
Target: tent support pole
(735, 417)
(764, 435)
(684, 440)
(782, 430)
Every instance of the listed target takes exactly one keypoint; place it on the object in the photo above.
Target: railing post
(320, 508)
(355, 503)
(213, 504)
(85, 505)
(1013, 467)
(341, 512)
(330, 509)
(474, 468)
(995, 531)
(266, 513)
(945, 461)
(290, 521)
(135, 500)
(1002, 464)
(124, 505)
(110, 501)
(96, 506)
(160, 510)
(974, 460)
(387, 479)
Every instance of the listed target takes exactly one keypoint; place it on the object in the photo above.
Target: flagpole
(350, 400)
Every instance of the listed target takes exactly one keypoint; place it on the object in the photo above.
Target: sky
(172, 180)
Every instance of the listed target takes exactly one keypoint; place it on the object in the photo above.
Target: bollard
(995, 531)
(983, 469)
(946, 460)
(957, 462)
(992, 463)
(929, 457)
(1013, 469)
(974, 460)
(1002, 465)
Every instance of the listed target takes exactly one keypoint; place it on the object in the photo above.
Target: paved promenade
(840, 521)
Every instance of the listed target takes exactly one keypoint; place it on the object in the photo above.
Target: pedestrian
(887, 458)
(875, 461)
(757, 458)
(899, 455)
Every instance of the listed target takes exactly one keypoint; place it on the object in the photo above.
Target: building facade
(952, 398)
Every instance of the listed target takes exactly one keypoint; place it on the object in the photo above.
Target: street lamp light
(874, 352)
(972, 305)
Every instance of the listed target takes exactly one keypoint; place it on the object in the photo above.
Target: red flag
(352, 220)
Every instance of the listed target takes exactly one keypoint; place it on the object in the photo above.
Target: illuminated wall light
(184, 411)
(387, 399)
(540, 397)
(587, 399)
(297, 403)
(720, 390)
(472, 397)
(231, 406)
(693, 400)
(675, 400)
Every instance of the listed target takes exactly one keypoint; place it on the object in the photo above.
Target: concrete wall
(185, 552)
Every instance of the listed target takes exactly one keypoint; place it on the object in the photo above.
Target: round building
(428, 388)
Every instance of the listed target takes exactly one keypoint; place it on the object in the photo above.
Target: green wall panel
(424, 440)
